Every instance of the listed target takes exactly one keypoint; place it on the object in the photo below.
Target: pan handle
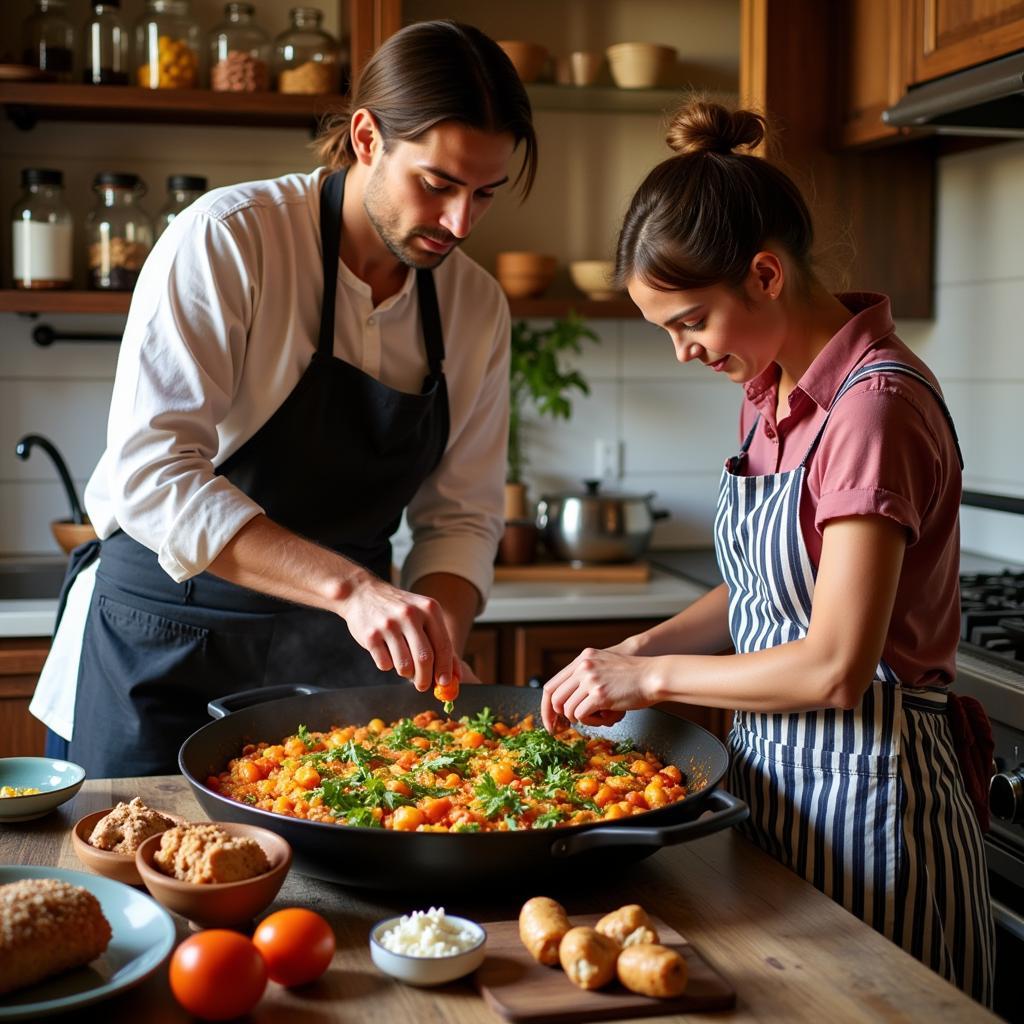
(224, 706)
(726, 810)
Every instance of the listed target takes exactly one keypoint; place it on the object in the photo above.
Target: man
(304, 359)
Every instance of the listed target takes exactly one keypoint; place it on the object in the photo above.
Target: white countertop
(662, 596)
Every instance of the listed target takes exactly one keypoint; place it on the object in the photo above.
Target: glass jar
(239, 52)
(118, 232)
(48, 39)
(182, 191)
(105, 45)
(41, 230)
(167, 42)
(306, 58)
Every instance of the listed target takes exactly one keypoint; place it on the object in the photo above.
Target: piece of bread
(47, 927)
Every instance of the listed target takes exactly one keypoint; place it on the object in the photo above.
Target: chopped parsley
(303, 733)
(549, 819)
(494, 798)
(624, 747)
(467, 826)
(618, 768)
(449, 706)
(557, 779)
(405, 731)
(540, 750)
(457, 759)
(482, 722)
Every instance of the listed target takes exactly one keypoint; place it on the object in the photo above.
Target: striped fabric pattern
(866, 804)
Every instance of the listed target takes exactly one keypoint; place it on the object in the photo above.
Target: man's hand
(400, 630)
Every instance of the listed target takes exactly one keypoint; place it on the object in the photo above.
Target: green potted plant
(538, 378)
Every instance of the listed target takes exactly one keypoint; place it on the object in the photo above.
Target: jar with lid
(41, 230)
(306, 58)
(119, 234)
(105, 45)
(167, 44)
(182, 191)
(48, 39)
(240, 52)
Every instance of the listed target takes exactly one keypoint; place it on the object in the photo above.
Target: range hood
(984, 100)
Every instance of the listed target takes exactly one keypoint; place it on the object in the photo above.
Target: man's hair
(429, 72)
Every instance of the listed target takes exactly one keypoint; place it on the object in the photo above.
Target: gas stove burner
(992, 616)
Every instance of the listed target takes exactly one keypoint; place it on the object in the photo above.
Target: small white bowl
(427, 970)
(56, 781)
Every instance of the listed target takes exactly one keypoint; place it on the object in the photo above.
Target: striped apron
(868, 804)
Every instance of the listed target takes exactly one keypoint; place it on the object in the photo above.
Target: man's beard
(385, 222)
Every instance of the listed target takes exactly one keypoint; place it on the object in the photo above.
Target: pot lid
(593, 490)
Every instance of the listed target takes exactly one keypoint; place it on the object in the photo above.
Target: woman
(837, 536)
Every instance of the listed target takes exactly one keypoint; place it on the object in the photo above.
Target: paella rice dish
(436, 774)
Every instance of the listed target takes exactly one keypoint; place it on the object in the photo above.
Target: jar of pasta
(41, 231)
(239, 52)
(119, 234)
(167, 43)
(306, 58)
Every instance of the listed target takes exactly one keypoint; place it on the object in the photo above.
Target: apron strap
(331, 196)
(869, 370)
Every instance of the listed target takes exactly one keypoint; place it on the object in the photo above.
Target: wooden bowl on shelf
(639, 65)
(529, 59)
(524, 275)
(594, 279)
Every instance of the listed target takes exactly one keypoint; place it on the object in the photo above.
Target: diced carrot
(436, 809)
(472, 739)
(407, 819)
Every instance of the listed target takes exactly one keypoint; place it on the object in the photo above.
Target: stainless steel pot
(597, 527)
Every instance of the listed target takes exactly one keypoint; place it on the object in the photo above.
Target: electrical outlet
(607, 459)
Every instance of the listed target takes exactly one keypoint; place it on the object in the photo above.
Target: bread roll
(47, 927)
(588, 957)
(652, 970)
(542, 923)
(628, 925)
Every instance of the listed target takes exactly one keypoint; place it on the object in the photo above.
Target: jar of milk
(41, 232)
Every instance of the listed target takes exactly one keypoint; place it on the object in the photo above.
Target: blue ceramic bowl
(56, 781)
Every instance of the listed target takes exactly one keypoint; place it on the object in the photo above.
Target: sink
(36, 579)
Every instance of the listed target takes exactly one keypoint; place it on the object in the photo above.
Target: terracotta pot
(527, 58)
(518, 544)
(515, 501)
(524, 274)
(69, 535)
(585, 66)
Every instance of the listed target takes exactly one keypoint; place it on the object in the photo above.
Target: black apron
(337, 463)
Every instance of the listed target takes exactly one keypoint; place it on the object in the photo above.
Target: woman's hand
(595, 689)
(401, 630)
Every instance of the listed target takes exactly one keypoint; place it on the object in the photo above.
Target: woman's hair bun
(705, 127)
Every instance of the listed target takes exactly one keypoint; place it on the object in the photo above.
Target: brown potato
(542, 923)
(628, 925)
(588, 957)
(652, 970)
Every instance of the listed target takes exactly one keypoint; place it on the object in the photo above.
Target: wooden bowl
(639, 65)
(528, 58)
(585, 66)
(218, 904)
(120, 867)
(69, 535)
(593, 278)
(524, 274)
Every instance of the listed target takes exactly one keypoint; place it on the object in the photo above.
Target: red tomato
(297, 944)
(217, 974)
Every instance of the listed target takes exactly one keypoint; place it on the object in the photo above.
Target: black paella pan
(382, 858)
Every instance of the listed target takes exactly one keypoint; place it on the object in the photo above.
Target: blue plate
(56, 781)
(143, 936)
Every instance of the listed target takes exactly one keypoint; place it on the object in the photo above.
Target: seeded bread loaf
(47, 927)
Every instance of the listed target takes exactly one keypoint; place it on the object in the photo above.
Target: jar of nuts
(167, 44)
(306, 58)
(119, 235)
(239, 52)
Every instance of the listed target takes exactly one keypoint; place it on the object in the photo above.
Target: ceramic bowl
(120, 867)
(69, 535)
(56, 781)
(639, 65)
(593, 278)
(528, 58)
(218, 904)
(427, 970)
(585, 66)
(524, 275)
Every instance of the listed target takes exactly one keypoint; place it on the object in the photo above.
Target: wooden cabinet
(21, 661)
(950, 35)
(481, 652)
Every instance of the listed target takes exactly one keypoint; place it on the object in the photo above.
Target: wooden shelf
(605, 98)
(31, 300)
(29, 102)
(41, 301)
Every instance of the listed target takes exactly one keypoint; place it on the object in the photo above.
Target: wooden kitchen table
(790, 953)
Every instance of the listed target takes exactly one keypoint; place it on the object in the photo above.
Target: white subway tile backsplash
(690, 500)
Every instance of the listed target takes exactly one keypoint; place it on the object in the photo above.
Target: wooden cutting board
(563, 572)
(518, 988)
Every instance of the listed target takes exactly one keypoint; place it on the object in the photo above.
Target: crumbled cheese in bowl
(428, 933)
